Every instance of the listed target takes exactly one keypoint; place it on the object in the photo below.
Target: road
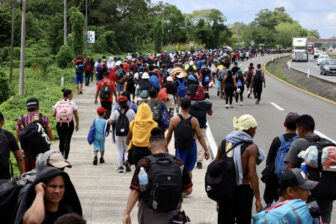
(103, 192)
(314, 69)
(277, 100)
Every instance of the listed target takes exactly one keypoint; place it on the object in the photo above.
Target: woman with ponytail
(64, 111)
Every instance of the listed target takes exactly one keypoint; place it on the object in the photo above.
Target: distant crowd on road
(156, 97)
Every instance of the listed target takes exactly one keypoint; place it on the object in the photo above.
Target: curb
(298, 88)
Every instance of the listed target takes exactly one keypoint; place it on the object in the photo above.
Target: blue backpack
(92, 132)
(206, 79)
(181, 89)
(154, 79)
(280, 165)
(293, 212)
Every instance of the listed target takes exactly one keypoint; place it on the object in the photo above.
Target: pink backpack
(64, 112)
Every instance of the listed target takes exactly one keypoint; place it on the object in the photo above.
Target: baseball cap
(57, 160)
(296, 178)
(101, 110)
(122, 98)
(291, 118)
(145, 75)
(169, 79)
(32, 103)
(118, 63)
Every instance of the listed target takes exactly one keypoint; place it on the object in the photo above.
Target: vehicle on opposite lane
(328, 67)
(322, 58)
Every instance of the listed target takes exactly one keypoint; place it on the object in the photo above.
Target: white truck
(299, 49)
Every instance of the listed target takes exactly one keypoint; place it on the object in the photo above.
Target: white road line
(324, 136)
(211, 141)
(277, 106)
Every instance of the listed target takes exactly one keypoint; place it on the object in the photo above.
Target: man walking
(258, 80)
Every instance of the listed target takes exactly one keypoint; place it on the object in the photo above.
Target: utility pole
(12, 43)
(86, 24)
(23, 42)
(65, 24)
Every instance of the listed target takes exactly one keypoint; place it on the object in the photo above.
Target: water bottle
(143, 179)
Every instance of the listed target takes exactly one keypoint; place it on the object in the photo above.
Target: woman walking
(64, 110)
(229, 83)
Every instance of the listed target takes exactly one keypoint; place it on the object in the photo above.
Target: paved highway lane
(314, 69)
(277, 100)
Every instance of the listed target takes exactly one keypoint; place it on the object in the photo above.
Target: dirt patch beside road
(314, 85)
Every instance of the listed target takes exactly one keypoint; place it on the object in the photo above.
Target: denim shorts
(99, 145)
(120, 87)
(79, 79)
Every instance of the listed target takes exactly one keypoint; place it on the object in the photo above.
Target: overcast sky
(311, 14)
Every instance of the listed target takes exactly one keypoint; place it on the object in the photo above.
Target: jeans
(240, 210)
(108, 106)
(326, 206)
(121, 148)
(87, 77)
(64, 132)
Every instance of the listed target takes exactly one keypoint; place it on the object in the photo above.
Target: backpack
(249, 75)
(290, 211)
(327, 179)
(184, 133)
(163, 94)
(280, 165)
(206, 79)
(105, 92)
(122, 124)
(165, 117)
(156, 110)
(99, 67)
(239, 82)
(181, 89)
(220, 176)
(4, 151)
(92, 133)
(144, 94)
(198, 95)
(9, 194)
(64, 112)
(120, 75)
(80, 67)
(88, 66)
(164, 184)
(154, 79)
(33, 138)
(257, 80)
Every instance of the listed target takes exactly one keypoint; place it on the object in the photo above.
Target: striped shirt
(29, 118)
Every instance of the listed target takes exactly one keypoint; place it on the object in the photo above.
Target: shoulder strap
(282, 139)
(189, 118)
(41, 118)
(23, 122)
(180, 116)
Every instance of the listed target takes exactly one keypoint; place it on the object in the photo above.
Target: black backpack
(257, 80)
(9, 194)
(105, 92)
(220, 176)
(120, 75)
(155, 106)
(184, 133)
(33, 138)
(122, 124)
(164, 184)
(4, 151)
(327, 179)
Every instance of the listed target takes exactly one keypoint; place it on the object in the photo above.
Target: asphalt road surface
(314, 69)
(277, 100)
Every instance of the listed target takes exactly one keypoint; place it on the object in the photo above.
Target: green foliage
(158, 40)
(4, 87)
(64, 56)
(106, 42)
(77, 25)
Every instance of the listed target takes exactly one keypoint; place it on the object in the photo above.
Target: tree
(313, 34)
(158, 40)
(173, 25)
(77, 29)
(64, 56)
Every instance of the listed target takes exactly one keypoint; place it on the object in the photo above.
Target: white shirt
(130, 114)
(74, 105)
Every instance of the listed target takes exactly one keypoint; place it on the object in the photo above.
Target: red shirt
(113, 77)
(110, 84)
(126, 66)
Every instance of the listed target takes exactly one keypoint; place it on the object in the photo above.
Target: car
(322, 58)
(317, 53)
(328, 67)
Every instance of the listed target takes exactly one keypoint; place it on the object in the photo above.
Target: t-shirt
(200, 115)
(13, 146)
(110, 84)
(297, 146)
(51, 217)
(100, 125)
(74, 105)
(234, 70)
(171, 88)
(29, 118)
(129, 114)
(276, 143)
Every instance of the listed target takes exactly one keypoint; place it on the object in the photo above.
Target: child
(99, 141)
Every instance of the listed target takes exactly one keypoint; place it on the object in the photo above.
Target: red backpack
(199, 94)
(88, 66)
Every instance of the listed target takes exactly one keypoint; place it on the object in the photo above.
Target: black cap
(296, 178)
(291, 118)
(32, 103)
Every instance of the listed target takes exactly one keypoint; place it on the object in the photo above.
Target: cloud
(330, 19)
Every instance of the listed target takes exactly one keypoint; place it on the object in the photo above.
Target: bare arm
(132, 199)
(54, 113)
(35, 214)
(129, 137)
(219, 152)
(96, 97)
(49, 133)
(17, 134)
(76, 119)
(263, 75)
(200, 137)
(115, 95)
(20, 161)
(252, 174)
(290, 166)
(170, 130)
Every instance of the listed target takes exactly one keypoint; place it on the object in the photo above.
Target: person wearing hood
(139, 133)
(110, 64)
(246, 155)
(50, 196)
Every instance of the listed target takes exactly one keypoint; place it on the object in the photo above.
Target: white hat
(169, 79)
(145, 75)
(57, 160)
(118, 63)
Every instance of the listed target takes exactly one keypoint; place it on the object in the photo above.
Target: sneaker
(226, 106)
(199, 165)
(248, 95)
(120, 170)
(185, 195)
(95, 160)
(80, 92)
(231, 106)
(237, 103)
(128, 166)
(102, 160)
(217, 93)
(241, 103)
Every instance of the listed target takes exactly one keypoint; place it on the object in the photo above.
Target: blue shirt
(100, 125)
